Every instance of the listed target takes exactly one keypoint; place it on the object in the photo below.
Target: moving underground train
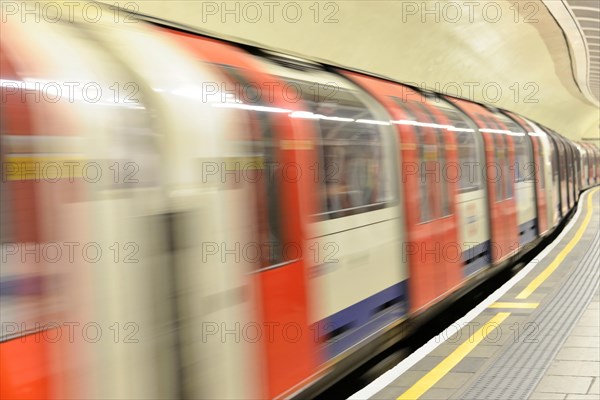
(183, 216)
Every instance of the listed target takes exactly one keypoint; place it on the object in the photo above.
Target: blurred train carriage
(169, 230)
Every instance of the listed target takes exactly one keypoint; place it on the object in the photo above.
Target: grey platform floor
(549, 350)
(574, 373)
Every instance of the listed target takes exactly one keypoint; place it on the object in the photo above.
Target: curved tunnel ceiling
(580, 21)
(509, 54)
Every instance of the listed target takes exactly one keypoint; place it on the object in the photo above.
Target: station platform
(536, 337)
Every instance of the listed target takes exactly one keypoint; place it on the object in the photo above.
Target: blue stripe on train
(347, 327)
(527, 231)
(476, 258)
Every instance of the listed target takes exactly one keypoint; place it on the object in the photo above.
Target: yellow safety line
(502, 304)
(535, 283)
(440, 370)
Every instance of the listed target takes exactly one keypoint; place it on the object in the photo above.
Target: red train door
(435, 230)
(499, 152)
(540, 185)
(540, 179)
(426, 148)
(283, 205)
(25, 364)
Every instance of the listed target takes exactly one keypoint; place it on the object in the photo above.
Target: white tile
(578, 354)
(574, 368)
(564, 384)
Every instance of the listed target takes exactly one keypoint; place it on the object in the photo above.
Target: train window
(596, 163)
(592, 162)
(499, 168)
(563, 170)
(576, 165)
(589, 159)
(498, 176)
(553, 158)
(584, 162)
(427, 155)
(523, 165)
(468, 149)
(508, 182)
(570, 164)
(504, 183)
(562, 160)
(523, 170)
(554, 166)
(442, 164)
(469, 162)
(352, 168)
(265, 184)
(539, 171)
(593, 165)
(267, 191)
